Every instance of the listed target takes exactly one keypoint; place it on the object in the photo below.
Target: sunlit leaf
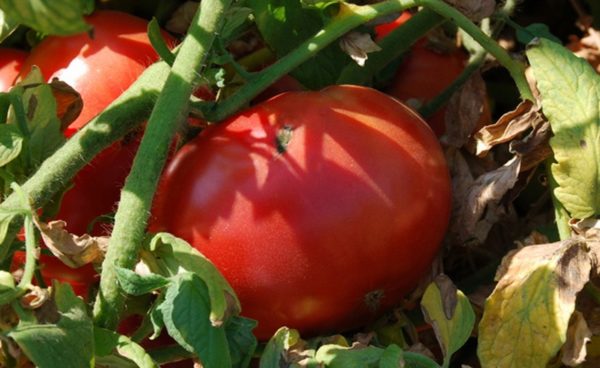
(57, 17)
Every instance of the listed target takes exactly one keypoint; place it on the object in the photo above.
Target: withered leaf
(578, 335)
(464, 111)
(73, 250)
(587, 47)
(358, 45)
(526, 318)
(68, 102)
(535, 147)
(476, 10)
(508, 127)
(477, 201)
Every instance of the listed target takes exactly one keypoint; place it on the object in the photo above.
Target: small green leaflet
(135, 284)
(67, 343)
(112, 347)
(450, 313)
(7, 25)
(281, 342)
(11, 143)
(185, 312)
(570, 94)
(53, 17)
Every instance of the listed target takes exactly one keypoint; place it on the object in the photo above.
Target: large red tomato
(100, 66)
(321, 208)
(11, 61)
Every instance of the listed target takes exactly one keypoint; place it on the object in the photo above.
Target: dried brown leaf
(476, 10)
(477, 202)
(35, 298)
(73, 250)
(68, 102)
(578, 335)
(182, 17)
(508, 127)
(587, 47)
(358, 45)
(464, 111)
(535, 147)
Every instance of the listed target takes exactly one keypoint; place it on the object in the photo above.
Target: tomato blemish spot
(283, 138)
(373, 299)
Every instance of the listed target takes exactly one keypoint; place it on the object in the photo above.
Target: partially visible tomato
(11, 61)
(424, 73)
(322, 209)
(100, 66)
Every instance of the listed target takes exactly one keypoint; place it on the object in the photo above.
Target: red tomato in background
(100, 69)
(424, 73)
(322, 209)
(11, 61)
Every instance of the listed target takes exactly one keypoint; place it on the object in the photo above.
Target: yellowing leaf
(450, 313)
(526, 318)
(570, 94)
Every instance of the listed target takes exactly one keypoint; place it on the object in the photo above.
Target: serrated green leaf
(11, 143)
(135, 284)
(7, 25)
(283, 339)
(185, 312)
(66, 343)
(110, 347)
(570, 94)
(53, 17)
(176, 255)
(450, 313)
(526, 318)
(285, 24)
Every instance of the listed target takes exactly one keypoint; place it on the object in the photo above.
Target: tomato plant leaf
(110, 347)
(336, 356)
(56, 17)
(7, 25)
(11, 143)
(450, 313)
(185, 312)
(69, 342)
(285, 24)
(176, 255)
(135, 284)
(526, 34)
(526, 317)
(571, 102)
(282, 341)
(242, 342)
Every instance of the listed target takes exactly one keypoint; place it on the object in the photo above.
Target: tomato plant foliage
(315, 212)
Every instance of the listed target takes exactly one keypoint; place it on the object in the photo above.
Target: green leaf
(135, 284)
(55, 17)
(336, 356)
(241, 340)
(7, 25)
(66, 343)
(285, 24)
(185, 312)
(526, 34)
(174, 255)
(235, 19)
(283, 339)
(570, 94)
(113, 349)
(11, 143)
(450, 313)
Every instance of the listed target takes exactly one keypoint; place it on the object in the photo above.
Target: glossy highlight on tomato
(322, 209)
(100, 66)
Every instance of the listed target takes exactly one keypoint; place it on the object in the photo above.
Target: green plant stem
(138, 191)
(124, 114)
(350, 17)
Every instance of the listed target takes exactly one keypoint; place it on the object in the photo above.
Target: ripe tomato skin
(325, 233)
(11, 61)
(100, 69)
